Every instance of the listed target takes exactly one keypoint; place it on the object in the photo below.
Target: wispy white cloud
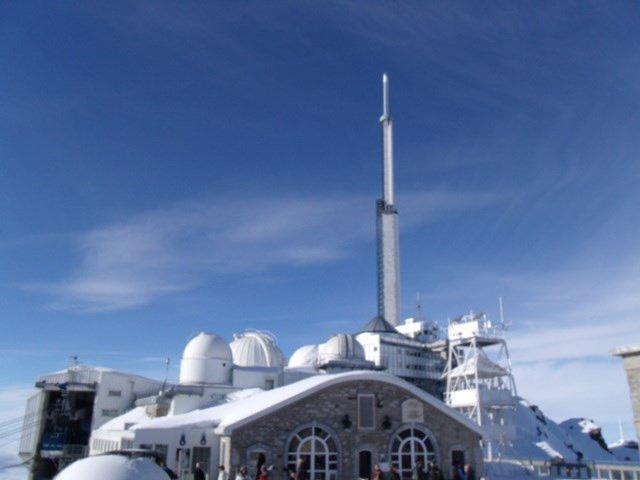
(158, 253)
(12, 404)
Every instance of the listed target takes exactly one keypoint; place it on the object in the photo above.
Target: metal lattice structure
(479, 382)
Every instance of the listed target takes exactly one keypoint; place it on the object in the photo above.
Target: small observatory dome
(341, 347)
(305, 356)
(256, 349)
(113, 467)
(206, 359)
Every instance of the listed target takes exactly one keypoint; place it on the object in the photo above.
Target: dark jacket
(198, 474)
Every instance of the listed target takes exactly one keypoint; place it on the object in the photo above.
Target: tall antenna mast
(387, 223)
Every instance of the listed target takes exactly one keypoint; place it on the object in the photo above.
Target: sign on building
(412, 411)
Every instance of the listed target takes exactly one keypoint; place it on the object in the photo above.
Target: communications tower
(387, 223)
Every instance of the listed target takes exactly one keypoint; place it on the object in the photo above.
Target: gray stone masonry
(329, 407)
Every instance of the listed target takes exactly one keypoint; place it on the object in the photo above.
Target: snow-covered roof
(88, 374)
(625, 451)
(126, 420)
(226, 417)
(626, 350)
(486, 368)
(113, 467)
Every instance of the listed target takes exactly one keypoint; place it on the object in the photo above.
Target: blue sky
(172, 167)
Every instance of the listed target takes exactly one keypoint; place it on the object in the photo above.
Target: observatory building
(340, 407)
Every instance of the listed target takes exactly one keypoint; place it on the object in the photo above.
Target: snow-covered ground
(540, 438)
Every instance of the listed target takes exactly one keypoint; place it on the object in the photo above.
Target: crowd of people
(263, 472)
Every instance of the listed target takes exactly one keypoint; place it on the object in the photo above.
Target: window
(115, 393)
(109, 412)
(366, 411)
(317, 448)
(411, 445)
(269, 384)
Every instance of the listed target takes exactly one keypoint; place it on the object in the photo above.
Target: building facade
(340, 425)
(631, 359)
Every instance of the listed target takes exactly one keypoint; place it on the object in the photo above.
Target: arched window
(318, 449)
(409, 445)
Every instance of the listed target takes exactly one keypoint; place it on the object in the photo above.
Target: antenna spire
(385, 96)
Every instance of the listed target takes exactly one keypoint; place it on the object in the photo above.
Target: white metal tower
(387, 224)
(479, 380)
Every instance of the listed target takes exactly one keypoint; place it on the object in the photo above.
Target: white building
(69, 405)
(408, 356)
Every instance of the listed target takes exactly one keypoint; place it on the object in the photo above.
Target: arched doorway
(316, 446)
(411, 444)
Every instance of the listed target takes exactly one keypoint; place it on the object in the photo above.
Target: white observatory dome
(113, 467)
(341, 347)
(256, 349)
(206, 359)
(305, 356)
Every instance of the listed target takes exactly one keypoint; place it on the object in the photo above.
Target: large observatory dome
(256, 349)
(305, 356)
(206, 359)
(341, 347)
(113, 467)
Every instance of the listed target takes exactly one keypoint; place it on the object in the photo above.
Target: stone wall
(329, 408)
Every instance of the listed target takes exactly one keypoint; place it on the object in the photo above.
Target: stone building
(341, 425)
(631, 360)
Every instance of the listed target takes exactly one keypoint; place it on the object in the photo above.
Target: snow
(540, 438)
(112, 467)
(625, 451)
(227, 415)
(126, 420)
(548, 449)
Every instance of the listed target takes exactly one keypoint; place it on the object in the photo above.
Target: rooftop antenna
(74, 361)
(419, 307)
(504, 324)
(385, 96)
(167, 362)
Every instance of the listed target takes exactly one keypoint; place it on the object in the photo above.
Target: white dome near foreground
(341, 347)
(256, 349)
(207, 359)
(305, 356)
(113, 467)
